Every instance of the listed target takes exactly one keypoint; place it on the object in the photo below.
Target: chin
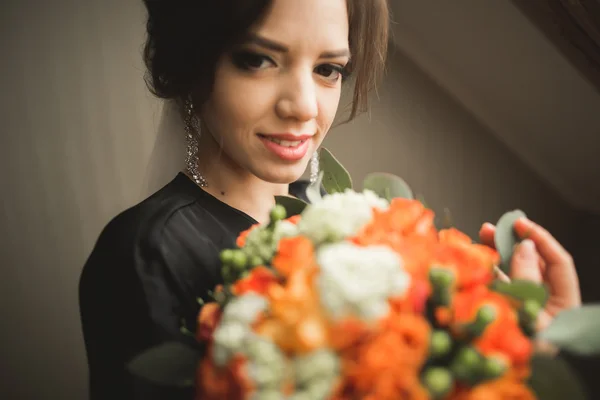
(283, 175)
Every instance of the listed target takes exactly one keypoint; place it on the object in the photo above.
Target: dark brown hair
(185, 39)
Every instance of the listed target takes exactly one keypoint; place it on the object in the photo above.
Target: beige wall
(587, 256)
(77, 125)
(78, 128)
(422, 134)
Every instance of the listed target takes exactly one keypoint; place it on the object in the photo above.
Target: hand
(540, 258)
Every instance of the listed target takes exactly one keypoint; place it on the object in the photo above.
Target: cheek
(236, 105)
(329, 103)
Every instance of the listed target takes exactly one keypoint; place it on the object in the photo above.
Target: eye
(331, 72)
(250, 61)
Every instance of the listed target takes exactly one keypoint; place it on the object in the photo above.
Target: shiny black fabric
(144, 276)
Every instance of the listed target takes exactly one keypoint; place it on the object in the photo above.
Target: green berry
(438, 381)
(466, 364)
(486, 315)
(493, 367)
(441, 343)
(226, 256)
(442, 296)
(239, 260)
(255, 261)
(265, 236)
(441, 277)
(469, 357)
(278, 213)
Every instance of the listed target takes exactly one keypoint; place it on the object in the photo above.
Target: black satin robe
(144, 276)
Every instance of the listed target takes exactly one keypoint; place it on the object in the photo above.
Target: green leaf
(335, 177)
(388, 186)
(575, 330)
(522, 290)
(553, 379)
(171, 364)
(292, 205)
(313, 191)
(506, 239)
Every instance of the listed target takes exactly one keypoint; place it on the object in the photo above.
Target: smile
(286, 146)
(285, 143)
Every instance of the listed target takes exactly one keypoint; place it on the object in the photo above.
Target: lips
(286, 136)
(287, 146)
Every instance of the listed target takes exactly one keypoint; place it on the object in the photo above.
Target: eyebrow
(280, 48)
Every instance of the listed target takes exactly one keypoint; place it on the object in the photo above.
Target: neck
(234, 185)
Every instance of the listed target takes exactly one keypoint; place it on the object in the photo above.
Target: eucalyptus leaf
(170, 364)
(522, 290)
(553, 379)
(388, 186)
(292, 205)
(506, 239)
(576, 330)
(335, 177)
(313, 191)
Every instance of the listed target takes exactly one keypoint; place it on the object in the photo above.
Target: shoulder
(145, 223)
(163, 234)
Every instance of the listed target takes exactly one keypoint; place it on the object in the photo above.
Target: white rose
(244, 309)
(339, 215)
(359, 280)
(234, 330)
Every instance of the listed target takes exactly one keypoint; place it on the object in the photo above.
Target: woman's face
(276, 95)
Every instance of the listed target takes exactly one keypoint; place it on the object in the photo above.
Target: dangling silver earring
(192, 129)
(314, 167)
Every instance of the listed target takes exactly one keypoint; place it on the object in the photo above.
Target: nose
(298, 98)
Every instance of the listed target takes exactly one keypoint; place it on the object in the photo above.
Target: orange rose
(406, 227)
(473, 263)
(503, 335)
(294, 219)
(258, 281)
(506, 387)
(386, 365)
(208, 318)
(293, 253)
(415, 300)
(406, 217)
(347, 333)
(295, 321)
(231, 382)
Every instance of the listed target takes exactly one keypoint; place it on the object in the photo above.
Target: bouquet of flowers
(358, 295)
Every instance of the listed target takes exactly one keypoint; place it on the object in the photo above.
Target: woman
(259, 82)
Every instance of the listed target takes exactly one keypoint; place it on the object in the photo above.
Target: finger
(548, 247)
(525, 262)
(486, 234)
(544, 320)
(501, 275)
(561, 275)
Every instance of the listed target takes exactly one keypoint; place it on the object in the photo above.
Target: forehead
(306, 23)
